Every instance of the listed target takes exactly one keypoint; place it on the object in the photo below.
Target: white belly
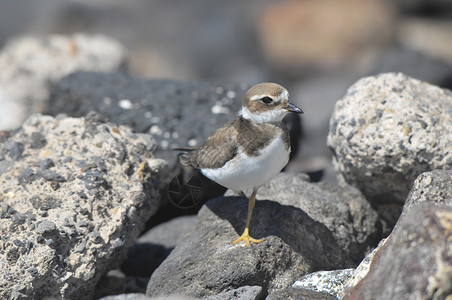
(244, 172)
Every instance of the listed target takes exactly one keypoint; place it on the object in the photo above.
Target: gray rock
(318, 94)
(168, 234)
(361, 271)
(134, 296)
(299, 294)
(31, 65)
(415, 261)
(387, 130)
(139, 296)
(59, 237)
(328, 282)
(117, 284)
(343, 210)
(241, 293)
(176, 113)
(154, 246)
(205, 264)
(434, 188)
(430, 188)
(297, 242)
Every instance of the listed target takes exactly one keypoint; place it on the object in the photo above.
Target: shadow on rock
(292, 225)
(205, 263)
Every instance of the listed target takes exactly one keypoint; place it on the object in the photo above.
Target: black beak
(292, 108)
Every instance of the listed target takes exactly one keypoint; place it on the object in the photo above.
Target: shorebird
(249, 150)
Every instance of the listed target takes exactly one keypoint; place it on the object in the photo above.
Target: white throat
(270, 116)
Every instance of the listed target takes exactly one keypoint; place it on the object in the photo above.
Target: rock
(31, 65)
(415, 262)
(343, 210)
(430, 188)
(320, 35)
(298, 242)
(134, 296)
(138, 296)
(361, 271)
(168, 234)
(320, 93)
(116, 284)
(205, 264)
(299, 294)
(328, 282)
(60, 236)
(434, 188)
(241, 293)
(401, 129)
(172, 111)
(154, 246)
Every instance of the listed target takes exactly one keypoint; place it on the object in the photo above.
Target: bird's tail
(185, 156)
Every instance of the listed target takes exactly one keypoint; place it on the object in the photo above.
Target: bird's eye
(267, 100)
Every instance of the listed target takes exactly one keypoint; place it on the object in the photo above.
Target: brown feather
(222, 145)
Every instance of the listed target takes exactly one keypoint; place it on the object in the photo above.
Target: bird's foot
(247, 239)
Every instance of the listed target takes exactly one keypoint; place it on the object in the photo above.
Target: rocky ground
(87, 172)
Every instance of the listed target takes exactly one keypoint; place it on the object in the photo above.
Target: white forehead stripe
(257, 97)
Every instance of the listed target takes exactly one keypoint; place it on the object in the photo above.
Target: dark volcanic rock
(343, 210)
(71, 208)
(297, 242)
(205, 264)
(387, 130)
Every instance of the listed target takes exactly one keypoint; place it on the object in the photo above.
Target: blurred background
(316, 48)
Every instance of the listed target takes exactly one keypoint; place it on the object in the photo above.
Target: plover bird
(248, 151)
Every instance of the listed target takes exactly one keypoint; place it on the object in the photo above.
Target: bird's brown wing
(219, 148)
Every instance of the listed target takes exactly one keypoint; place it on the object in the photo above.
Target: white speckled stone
(71, 203)
(387, 130)
(330, 282)
(29, 66)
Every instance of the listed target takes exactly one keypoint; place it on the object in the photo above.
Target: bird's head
(267, 102)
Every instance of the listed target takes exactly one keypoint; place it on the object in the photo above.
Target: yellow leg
(246, 236)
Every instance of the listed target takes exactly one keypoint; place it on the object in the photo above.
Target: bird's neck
(271, 116)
